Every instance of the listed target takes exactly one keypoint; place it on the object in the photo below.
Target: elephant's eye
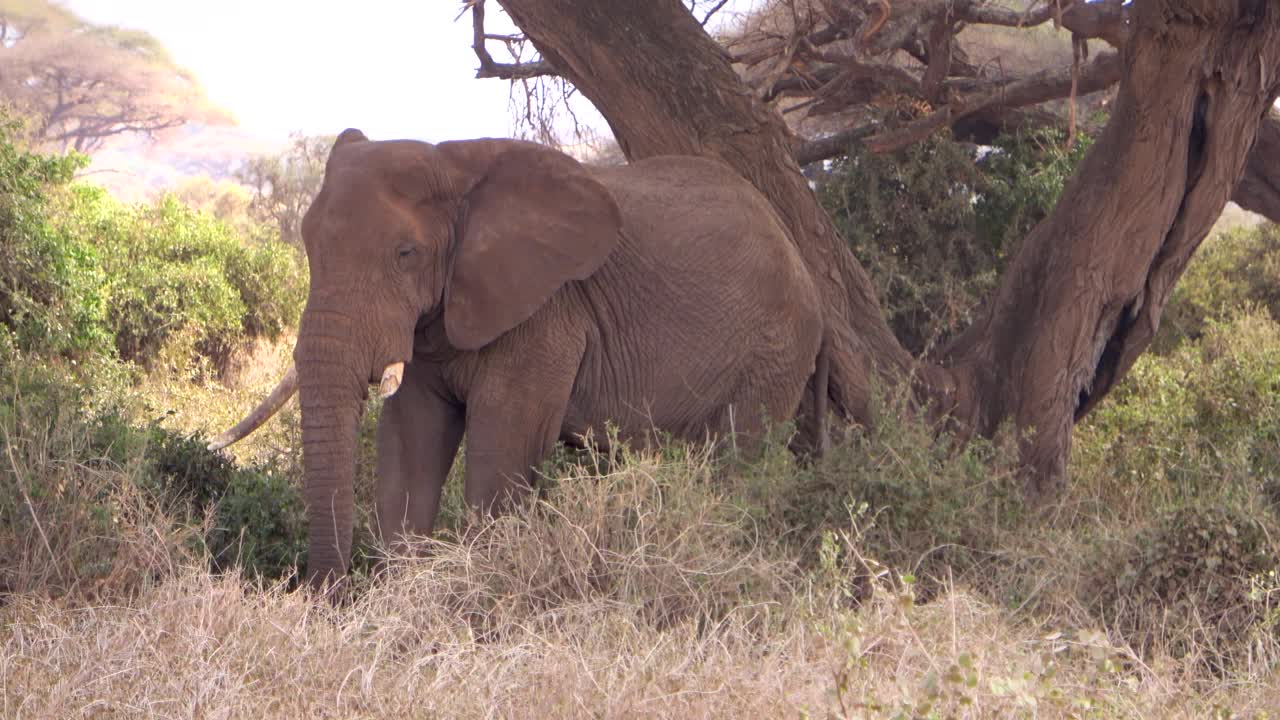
(407, 256)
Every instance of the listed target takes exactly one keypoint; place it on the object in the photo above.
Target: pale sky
(393, 68)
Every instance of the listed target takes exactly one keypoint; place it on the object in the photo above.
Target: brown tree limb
(1259, 189)
(1103, 72)
(832, 145)
(490, 68)
(971, 12)
(939, 67)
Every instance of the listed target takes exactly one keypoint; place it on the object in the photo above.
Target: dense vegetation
(897, 577)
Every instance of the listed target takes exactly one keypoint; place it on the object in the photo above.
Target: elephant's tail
(821, 377)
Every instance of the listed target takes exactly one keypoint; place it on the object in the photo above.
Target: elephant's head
(483, 231)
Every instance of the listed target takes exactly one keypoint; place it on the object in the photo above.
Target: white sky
(393, 68)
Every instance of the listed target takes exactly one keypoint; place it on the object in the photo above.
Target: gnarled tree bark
(1082, 299)
(1084, 295)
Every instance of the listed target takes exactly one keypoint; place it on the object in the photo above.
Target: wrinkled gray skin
(532, 298)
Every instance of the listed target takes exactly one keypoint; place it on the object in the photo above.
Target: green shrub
(81, 273)
(908, 218)
(271, 279)
(1233, 270)
(261, 526)
(1185, 584)
(1200, 424)
(78, 483)
(51, 283)
(933, 227)
(179, 275)
(1023, 177)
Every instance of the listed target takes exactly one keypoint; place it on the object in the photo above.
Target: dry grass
(643, 592)
(660, 587)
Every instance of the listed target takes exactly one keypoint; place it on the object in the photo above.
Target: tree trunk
(1082, 299)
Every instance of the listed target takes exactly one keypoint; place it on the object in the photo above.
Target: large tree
(1190, 126)
(82, 84)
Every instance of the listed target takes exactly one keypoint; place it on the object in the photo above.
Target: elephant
(500, 289)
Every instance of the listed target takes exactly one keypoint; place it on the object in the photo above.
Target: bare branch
(1049, 85)
(988, 15)
(489, 68)
(714, 9)
(832, 145)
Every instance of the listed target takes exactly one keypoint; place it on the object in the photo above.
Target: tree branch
(1259, 189)
(832, 145)
(1103, 72)
(489, 68)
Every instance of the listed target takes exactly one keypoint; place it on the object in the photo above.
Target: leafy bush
(909, 219)
(934, 228)
(1023, 176)
(51, 283)
(1235, 269)
(1200, 424)
(81, 273)
(84, 483)
(177, 275)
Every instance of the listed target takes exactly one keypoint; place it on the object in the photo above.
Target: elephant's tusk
(391, 378)
(279, 396)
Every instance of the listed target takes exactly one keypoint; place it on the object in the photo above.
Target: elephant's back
(696, 219)
(683, 198)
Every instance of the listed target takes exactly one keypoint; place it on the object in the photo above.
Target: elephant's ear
(533, 220)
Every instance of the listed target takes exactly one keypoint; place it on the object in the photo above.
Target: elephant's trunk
(333, 381)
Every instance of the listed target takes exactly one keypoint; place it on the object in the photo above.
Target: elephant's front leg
(514, 416)
(418, 435)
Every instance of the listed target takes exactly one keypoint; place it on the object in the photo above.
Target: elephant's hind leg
(418, 436)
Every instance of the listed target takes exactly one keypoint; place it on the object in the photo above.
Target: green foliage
(1187, 450)
(1232, 270)
(80, 273)
(85, 470)
(176, 274)
(909, 219)
(87, 279)
(1200, 424)
(51, 283)
(934, 229)
(166, 266)
(1024, 175)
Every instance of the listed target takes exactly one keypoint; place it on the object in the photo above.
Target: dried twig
(489, 68)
